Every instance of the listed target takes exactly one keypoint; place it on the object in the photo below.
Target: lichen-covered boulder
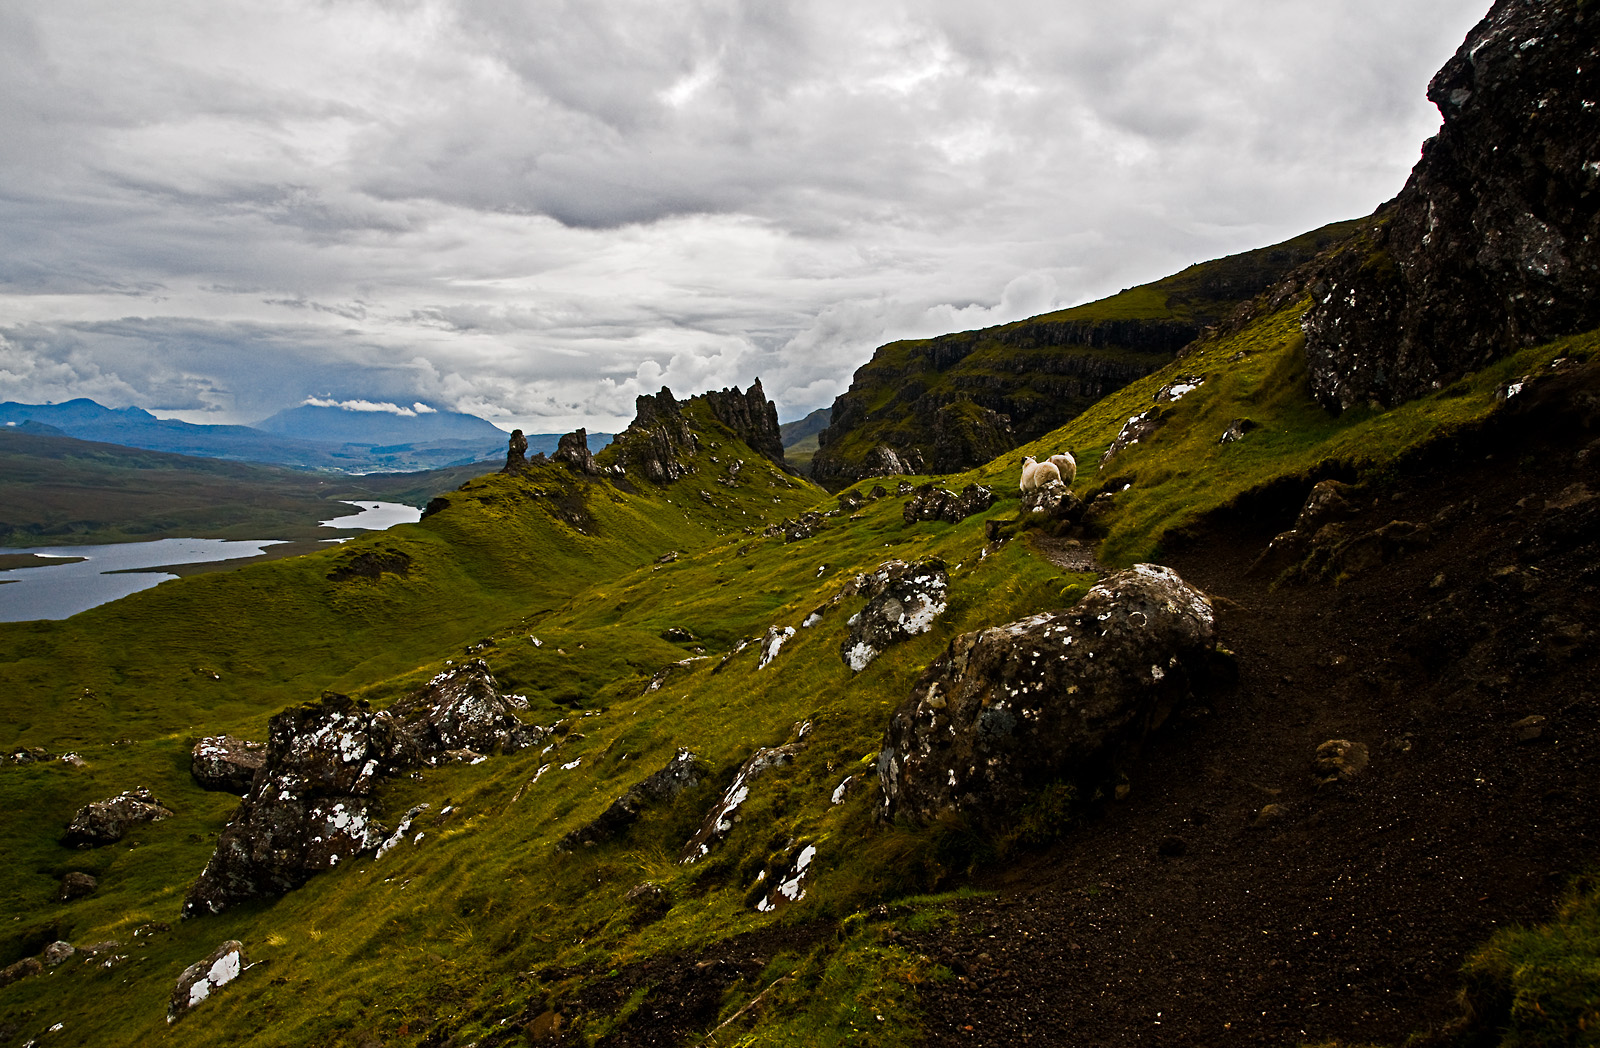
(105, 822)
(202, 978)
(902, 601)
(58, 953)
(225, 763)
(933, 503)
(20, 970)
(311, 808)
(1059, 697)
(1054, 501)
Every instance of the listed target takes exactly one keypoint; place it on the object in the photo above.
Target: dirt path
(1171, 918)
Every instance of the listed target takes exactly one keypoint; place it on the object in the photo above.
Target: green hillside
(483, 931)
(55, 490)
(939, 400)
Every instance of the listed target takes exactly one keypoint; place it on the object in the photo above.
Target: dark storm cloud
(538, 211)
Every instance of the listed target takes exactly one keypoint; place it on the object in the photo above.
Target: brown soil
(1171, 918)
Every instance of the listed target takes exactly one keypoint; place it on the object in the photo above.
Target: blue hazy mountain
(337, 425)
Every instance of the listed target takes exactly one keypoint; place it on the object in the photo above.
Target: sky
(535, 211)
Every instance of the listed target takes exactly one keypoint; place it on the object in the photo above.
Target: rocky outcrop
(1494, 243)
(202, 978)
(752, 417)
(573, 450)
(724, 815)
(1061, 697)
(517, 453)
(956, 401)
(932, 503)
(311, 806)
(105, 822)
(659, 442)
(683, 772)
(1053, 502)
(222, 762)
(902, 601)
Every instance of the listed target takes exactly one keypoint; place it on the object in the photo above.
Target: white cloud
(363, 405)
(537, 212)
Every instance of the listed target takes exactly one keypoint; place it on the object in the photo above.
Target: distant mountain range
(309, 437)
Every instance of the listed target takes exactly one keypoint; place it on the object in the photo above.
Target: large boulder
(105, 822)
(572, 449)
(1494, 243)
(902, 601)
(226, 763)
(1061, 697)
(311, 806)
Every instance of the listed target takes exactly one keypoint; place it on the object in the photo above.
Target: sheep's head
(1028, 460)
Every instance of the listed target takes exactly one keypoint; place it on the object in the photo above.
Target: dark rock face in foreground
(1058, 697)
(1494, 243)
(312, 805)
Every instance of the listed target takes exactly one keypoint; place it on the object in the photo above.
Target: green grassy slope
(55, 490)
(483, 926)
(1042, 371)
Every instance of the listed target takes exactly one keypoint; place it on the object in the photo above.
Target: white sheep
(1036, 475)
(1067, 465)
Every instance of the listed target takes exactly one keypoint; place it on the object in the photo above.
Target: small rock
(1236, 431)
(20, 970)
(1529, 728)
(58, 952)
(1270, 814)
(202, 978)
(677, 635)
(105, 822)
(76, 885)
(1340, 760)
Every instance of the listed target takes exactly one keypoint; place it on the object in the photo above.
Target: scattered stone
(1060, 696)
(1269, 815)
(903, 488)
(681, 773)
(1236, 431)
(902, 601)
(222, 762)
(20, 970)
(724, 815)
(772, 643)
(850, 501)
(1529, 728)
(931, 503)
(877, 492)
(787, 877)
(667, 557)
(1340, 760)
(203, 978)
(105, 822)
(57, 953)
(76, 885)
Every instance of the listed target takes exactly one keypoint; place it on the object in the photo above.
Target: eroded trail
(1233, 897)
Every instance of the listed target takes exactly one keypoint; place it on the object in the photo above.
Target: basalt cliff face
(1494, 243)
(946, 404)
(660, 442)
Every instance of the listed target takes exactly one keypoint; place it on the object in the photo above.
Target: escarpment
(1494, 243)
(949, 403)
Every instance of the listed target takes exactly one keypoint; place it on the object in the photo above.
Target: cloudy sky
(535, 210)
